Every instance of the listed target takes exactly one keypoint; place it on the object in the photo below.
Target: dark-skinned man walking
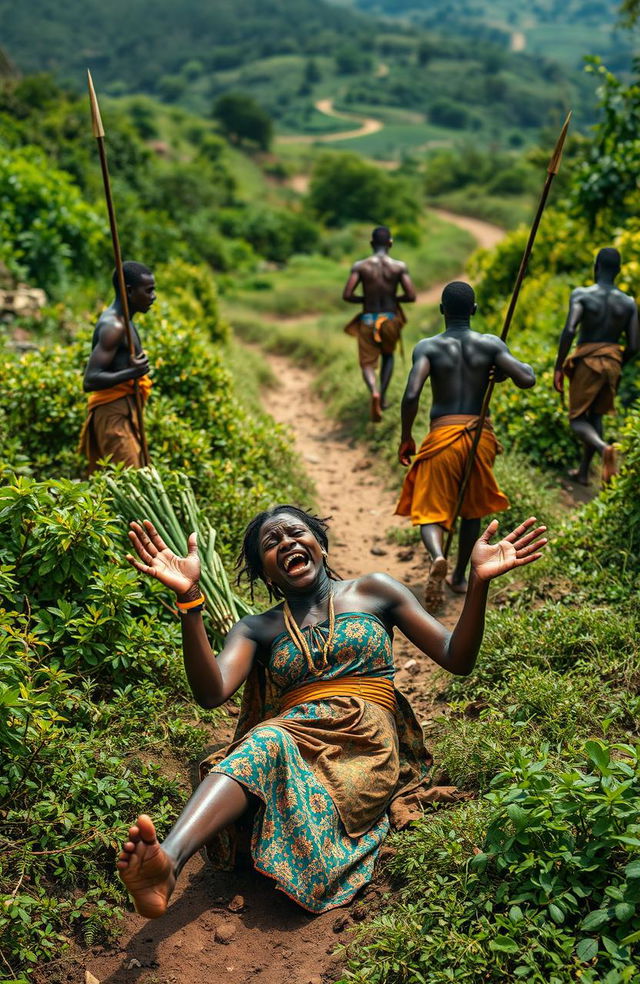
(379, 325)
(458, 363)
(604, 315)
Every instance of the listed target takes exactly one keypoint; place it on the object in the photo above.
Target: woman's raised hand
(522, 546)
(159, 561)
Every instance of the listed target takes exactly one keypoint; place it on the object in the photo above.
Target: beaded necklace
(298, 639)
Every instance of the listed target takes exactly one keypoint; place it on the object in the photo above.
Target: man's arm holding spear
(95, 368)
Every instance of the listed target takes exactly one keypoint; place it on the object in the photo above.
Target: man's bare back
(380, 276)
(606, 313)
(458, 363)
(603, 317)
(379, 325)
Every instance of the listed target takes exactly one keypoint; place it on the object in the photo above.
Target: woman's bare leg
(149, 869)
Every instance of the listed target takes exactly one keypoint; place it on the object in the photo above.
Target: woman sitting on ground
(325, 746)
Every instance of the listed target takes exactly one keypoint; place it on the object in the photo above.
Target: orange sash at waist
(378, 690)
(467, 421)
(97, 397)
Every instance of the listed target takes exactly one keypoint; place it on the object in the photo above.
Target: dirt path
(486, 235)
(367, 125)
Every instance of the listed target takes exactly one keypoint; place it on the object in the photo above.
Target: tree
(606, 182)
(346, 188)
(243, 119)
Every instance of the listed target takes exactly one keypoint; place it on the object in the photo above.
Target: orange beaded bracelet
(184, 607)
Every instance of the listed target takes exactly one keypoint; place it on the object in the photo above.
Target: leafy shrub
(243, 119)
(345, 188)
(275, 233)
(46, 230)
(78, 633)
(540, 881)
(604, 538)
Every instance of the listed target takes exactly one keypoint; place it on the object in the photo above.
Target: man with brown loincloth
(458, 362)
(111, 427)
(604, 314)
(378, 327)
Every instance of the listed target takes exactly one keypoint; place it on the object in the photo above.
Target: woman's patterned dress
(325, 771)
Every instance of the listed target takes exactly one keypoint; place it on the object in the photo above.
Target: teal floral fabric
(325, 772)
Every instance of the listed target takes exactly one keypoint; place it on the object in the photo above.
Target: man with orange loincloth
(378, 327)
(604, 314)
(111, 426)
(458, 362)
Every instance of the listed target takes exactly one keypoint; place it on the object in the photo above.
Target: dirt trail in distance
(367, 125)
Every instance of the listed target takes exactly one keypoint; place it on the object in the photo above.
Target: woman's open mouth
(296, 563)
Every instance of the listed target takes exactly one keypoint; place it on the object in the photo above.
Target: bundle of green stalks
(141, 494)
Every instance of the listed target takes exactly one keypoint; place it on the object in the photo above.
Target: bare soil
(366, 125)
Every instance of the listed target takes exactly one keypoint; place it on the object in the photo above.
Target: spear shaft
(98, 132)
(552, 169)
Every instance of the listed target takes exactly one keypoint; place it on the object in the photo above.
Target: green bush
(540, 881)
(345, 188)
(599, 550)
(47, 231)
(92, 691)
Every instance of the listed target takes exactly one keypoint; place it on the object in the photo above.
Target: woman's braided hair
(249, 562)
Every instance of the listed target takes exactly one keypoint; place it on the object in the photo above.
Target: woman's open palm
(159, 561)
(522, 546)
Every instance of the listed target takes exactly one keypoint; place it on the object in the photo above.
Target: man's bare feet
(576, 476)
(146, 870)
(376, 411)
(458, 587)
(609, 463)
(433, 594)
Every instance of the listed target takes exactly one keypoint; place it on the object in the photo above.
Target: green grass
(395, 140)
(313, 284)
(507, 211)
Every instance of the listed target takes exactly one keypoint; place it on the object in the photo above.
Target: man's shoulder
(584, 291)
(109, 327)
(627, 299)
(425, 345)
(399, 266)
(487, 339)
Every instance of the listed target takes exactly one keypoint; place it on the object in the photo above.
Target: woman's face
(291, 556)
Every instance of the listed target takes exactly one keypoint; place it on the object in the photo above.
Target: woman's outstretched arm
(212, 679)
(457, 651)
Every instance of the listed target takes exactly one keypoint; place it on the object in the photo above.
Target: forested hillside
(288, 55)
(561, 29)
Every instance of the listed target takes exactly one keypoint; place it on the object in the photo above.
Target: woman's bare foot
(146, 870)
(609, 463)
(458, 587)
(376, 411)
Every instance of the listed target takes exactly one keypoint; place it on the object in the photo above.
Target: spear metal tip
(96, 119)
(556, 157)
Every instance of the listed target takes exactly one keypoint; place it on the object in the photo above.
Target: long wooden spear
(552, 169)
(98, 132)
